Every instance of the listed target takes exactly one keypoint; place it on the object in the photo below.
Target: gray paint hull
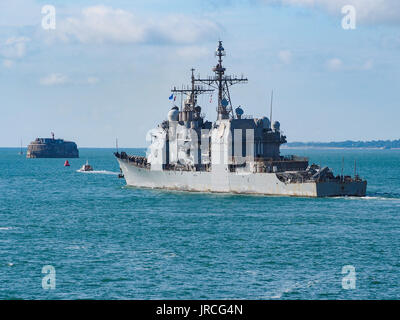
(234, 182)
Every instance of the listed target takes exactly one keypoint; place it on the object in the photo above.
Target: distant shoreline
(282, 147)
(112, 148)
(348, 144)
(332, 145)
(339, 148)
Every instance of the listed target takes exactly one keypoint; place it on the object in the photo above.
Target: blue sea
(108, 241)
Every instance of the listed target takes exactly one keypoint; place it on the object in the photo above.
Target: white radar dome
(266, 123)
(173, 114)
(277, 125)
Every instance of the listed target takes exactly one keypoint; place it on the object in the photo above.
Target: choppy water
(107, 241)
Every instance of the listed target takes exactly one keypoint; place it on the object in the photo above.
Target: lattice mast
(193, 91)
(221, 82)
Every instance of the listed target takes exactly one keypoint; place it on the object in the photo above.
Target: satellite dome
(266, 123)
(277, 125)
(220, 49)
(173, 114)
(239, 111)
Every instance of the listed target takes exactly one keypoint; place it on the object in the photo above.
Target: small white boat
(86, 167)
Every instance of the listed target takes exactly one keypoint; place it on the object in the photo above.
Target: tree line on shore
(386, 144)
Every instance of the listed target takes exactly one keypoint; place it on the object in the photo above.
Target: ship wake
(376, 196)
(99, 172)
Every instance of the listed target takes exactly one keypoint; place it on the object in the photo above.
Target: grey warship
(234, 154)
(52, 148)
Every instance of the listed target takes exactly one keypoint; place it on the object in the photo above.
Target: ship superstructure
(235, 153)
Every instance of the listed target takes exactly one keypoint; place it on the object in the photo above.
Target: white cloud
(54, 79)
(14, 47)
(334, 64)
(370, 11)
(59, 78)
(8, 63)
(92, 80)
(285, 56)
(101, 24)
(193, 52)
(19, 13)
(368, 65)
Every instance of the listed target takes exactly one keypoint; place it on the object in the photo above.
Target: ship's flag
(171, 97)
(174, 98)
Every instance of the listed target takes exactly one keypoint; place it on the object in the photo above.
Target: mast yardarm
(221, 82)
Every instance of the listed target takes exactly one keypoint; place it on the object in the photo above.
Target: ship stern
(357, 188)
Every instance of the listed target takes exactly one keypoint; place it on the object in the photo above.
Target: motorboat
(86, 167)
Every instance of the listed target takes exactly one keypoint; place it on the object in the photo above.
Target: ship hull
(234, 182)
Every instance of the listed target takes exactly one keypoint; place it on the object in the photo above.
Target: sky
(106, 70)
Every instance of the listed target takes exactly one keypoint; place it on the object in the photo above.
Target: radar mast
(192, 91)
(221, 82)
